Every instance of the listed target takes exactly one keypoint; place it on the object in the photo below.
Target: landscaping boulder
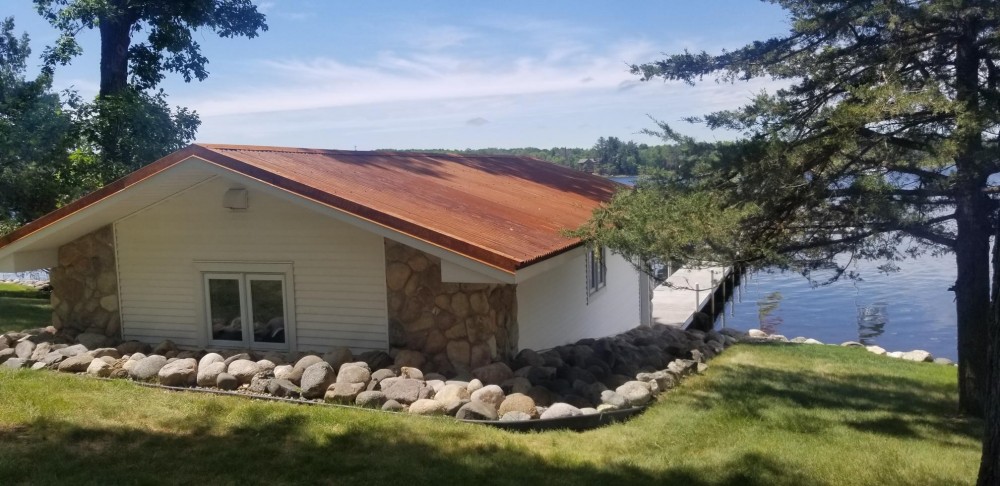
(476, 410)
(342, 393)
(316, 379)
(165, 347)
(409, 358)
(493, 374)
(208, 375)
(92, 340)
(281, 387)
(6, 354)
(243, 369)
(520, 403)
(402, 390)
(492, 395)
(918, 355)
(132, 347)
(757, 334)
(76, 364)
(282, 371)
(353, 373)
(448, 393)
(560, 410)
(295, 376)
(412, 373)
(370, 399)
(105, 353)
(24, 349)
(474, 385)
(225, 381)
(515, 416)
(147, 368)
(426, 406)
(14, 363)
(182, 372)
(266, 365)
(613, 399)
(99, 368)
(338, 356)
(636, 393)
(392, 406)
(876, 350)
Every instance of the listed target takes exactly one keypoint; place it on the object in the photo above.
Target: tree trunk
(989, 465)
(116, 35)
(972, 240)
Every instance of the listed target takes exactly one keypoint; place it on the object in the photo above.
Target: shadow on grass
(885, 404)
(275, 452)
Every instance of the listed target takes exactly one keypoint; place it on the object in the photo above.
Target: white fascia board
(543, 266)
(445, 255)
(452, 273)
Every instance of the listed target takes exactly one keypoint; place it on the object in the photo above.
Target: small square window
(597, 270)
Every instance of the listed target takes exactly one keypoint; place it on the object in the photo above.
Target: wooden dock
(687, 291)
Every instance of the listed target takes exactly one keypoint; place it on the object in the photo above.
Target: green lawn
(761, 415)
(23, 308)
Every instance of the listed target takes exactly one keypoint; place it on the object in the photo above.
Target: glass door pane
(267, 308)
(225, 308)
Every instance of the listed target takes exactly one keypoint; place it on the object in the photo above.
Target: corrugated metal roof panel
(508, 212)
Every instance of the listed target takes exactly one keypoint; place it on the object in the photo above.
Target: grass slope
(761, 415)
(23, 308)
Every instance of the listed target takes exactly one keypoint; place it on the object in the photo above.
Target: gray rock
(474, 385)
(41, 349)
(613, 399)
(412, 373)
(426, 406)
(852, 344)
(756, 334)
(876, 350)
(51, 359)
(451, 408)
(392, 406)
(182, 372)
(636, 393)
(76, 364)
(918, 355)
(492, 395)
(520, 403)
(402, 390)
(243, 369)
(476, 410)
(682, 367)
(560, 410)
(6, 354)
(895, 354)
(38, 366)
(165, 347)
(352, 373)
(943, 361)
(225, 381)
(99, 368)
(295, 376)
(105, 353)
(24, 349)
(448, 393)
(238, 356)
(338, 356)
(343, 393)
(132, 347)
(209, 359)
(409, 358)
(260, 383)
(812, 341)
(516, 384)
(588, 411)
(14, 363)
(383, 374)
(437, 385)
(147, 368)
(282, 371)
(267, 366)
(281, 387)
(316, 379)
(493, 374)
(92, 340)
(208, 375)
(370, 399)
(515, 416)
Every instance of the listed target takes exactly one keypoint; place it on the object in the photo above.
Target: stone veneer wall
(85, 286)
(457, 327)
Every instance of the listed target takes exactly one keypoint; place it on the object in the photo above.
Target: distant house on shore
(587, 165)
(461, 258)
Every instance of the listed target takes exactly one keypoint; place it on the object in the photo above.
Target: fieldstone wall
(455, 327)
(85, 288)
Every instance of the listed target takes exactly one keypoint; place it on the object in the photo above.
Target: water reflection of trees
(872, 319)
(766, 308)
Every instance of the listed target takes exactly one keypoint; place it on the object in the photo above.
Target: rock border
(916, 355)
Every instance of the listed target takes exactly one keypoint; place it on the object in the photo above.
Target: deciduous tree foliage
(140, 42)
(887, 130)
(39, 166)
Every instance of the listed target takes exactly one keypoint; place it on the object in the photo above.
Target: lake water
(900, 311)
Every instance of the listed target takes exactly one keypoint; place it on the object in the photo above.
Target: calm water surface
(900, 311)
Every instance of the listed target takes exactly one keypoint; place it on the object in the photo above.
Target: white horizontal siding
(338, 270)
(553, 309)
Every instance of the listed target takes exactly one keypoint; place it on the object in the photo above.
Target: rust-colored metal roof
(507, 212)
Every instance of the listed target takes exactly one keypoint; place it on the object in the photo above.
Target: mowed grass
(23, 308)
(761, 415)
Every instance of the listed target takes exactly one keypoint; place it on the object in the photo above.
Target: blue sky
(440, 74)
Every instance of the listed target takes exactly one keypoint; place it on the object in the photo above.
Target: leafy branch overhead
(168, 27)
